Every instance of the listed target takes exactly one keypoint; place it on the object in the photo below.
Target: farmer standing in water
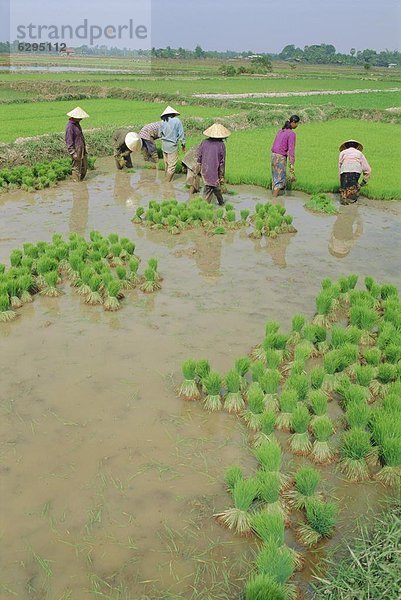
(171, 133)
(75, 142)
(283, 148)
(212, 161)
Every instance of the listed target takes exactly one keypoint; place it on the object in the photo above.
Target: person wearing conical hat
(75, 142)
(212, 161)
(190, 161)
(351, 165)
(124, 142)
(171, 133)
(149, 134)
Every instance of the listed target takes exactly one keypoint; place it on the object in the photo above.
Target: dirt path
(105, 472)
(290, 94)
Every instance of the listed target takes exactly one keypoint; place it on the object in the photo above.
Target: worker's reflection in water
(347, 229)
(80, 208)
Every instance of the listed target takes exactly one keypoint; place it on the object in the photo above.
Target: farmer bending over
(124, 142)
(149, 134)
(171, 133)
(283, 148)
(75, 142)
(212, 161)
(352, 164)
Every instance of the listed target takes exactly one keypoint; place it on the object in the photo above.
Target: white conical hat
(343, 145)
(133, 141)
(217, 131)
(78, 113)
(170, 111)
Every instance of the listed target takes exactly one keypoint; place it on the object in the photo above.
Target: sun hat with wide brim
(343, 145)
(78, 113)
(169, 111)
(133, 141)
(217, 131)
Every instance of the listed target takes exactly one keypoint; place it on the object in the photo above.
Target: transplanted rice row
(350, 354)
(99, 270)
(269, 219)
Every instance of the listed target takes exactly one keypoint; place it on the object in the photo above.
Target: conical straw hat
(170, 111)
(78, 113)
(133, 141)
(342, 147)
(217, 131)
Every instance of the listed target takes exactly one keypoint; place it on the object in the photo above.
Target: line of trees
(314, 54)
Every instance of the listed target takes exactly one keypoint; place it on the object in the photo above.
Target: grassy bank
(371, 567)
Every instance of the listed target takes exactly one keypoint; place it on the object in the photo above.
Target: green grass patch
(371, 566)
(320, 203)
(378, 100)
(50, 117)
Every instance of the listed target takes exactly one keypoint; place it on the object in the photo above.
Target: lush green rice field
(248, 156)
(379, 100)
(50, 117)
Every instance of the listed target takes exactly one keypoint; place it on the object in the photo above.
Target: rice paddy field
(200, 402)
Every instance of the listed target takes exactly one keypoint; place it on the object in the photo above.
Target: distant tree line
(314, 54)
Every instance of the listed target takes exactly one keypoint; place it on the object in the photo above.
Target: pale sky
(257, 25)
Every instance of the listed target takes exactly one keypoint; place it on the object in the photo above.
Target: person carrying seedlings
(75, 142)
(190, 161)
(284, 148)
(124, 142)
(351, 165)
(149, 134)
(171, 133)
(212, 161)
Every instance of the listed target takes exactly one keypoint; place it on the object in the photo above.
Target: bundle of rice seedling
(94, 297)
(318, 404)
(233, 401)
(269, 526)
(317, 377)
(212, 383)
(269, 486)
(232, 475)
(50, 288)
(392, 403)
(26, 286)
(124, 278)
(302, 352)
(202, 369)
(324, 306)
(269, 382)
(390, 452)
(133, 274)
(244, 215)
(321, 450)
(257, 370)
(269, 455)
(316, 336)
(6, 313)
(273, 358)
(321, 520)
(263, 587)
(288, 402)
(299, 441)
(339, 337)
(256, 406)
(188, 389)
(355, 450)
(277, 562)
(150, 283)
(306, 480)
(300, 383)
(372, 356)
(392, 353)
(111, 302)
(357, 415)
(239, 517)
(267, 423)
(364, 318)
(13, 291)
(298, 323)
(385, 374)
(153, 263)
(138, 215)
(364, 374)
(242, 366)
(389, 291)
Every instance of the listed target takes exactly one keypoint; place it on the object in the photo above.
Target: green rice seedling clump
(232, 475)
(317, 377)
(212, 383)
(299, 441)
(269, 526)
(357, 415)
(276, 562)
(256, 406)
(233, 401)
(306, 480)
(239, 517)
(354, 451)
(288, 402)
(322, 430)
(269, 455)
(321, 520)
(390, 451)
(188, 389)
(267, 423)
(263, 587)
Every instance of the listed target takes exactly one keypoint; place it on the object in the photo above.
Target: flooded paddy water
(108, 480)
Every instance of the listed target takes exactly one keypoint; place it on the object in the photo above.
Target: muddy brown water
(108, 480)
